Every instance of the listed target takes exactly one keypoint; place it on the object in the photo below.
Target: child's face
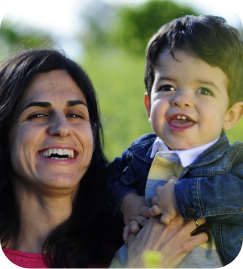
(189, 101)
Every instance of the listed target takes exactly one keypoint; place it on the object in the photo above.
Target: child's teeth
(181, 117)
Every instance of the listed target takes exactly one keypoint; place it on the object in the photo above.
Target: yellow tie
(163, 168)
(160, 170)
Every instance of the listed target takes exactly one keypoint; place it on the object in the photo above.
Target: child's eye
(205, 91)
(166, 88)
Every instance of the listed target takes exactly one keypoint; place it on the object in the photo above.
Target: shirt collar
(187, 156)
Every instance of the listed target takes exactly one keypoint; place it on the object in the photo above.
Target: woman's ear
(147, 104)
(233, 115)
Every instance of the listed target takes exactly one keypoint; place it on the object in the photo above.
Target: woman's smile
(58, 155)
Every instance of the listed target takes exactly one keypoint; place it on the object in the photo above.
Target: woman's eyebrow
(47, 104)
(41, 104)
(75, 102)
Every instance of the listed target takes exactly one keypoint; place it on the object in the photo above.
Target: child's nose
(182, 100)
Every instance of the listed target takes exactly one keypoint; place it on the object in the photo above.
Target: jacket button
(129, 156)
(190, 212)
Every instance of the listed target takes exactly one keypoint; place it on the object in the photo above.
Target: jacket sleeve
(219, 197)
(117, 189)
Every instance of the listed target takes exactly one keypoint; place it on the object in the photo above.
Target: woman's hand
(173, 242)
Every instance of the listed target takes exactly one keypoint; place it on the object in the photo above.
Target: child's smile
(189, 102)
(180, 122)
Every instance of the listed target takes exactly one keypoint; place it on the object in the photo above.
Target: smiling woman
(54, 117)
(52, 165)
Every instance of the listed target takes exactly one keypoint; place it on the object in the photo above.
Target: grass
(118, 80)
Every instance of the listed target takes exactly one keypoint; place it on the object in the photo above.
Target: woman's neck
(40, 214)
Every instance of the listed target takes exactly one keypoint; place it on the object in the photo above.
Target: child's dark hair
(207, 37)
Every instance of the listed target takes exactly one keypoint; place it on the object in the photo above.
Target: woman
(52, 206)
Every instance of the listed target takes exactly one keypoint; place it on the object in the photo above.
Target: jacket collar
(214, 152)
(186, 157)
(143, 150)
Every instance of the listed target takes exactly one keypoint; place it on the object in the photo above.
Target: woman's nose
(183, 100)
(60, 126)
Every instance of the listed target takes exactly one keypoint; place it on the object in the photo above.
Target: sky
(61, 17)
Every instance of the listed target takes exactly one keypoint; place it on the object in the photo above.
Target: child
(194, 82)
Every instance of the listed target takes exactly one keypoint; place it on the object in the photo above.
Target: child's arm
(164, 202)
(135, 213)
(116, 189)
(218, 198)
(214, 196)
(128, 173)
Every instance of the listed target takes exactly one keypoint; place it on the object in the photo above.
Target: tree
(129, 28)
(17, 37)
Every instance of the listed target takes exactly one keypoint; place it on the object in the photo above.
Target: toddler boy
(194, 82)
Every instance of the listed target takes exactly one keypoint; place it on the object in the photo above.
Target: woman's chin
(62, 182)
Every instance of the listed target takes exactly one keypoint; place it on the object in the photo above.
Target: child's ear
(233, 115)
(147, 104)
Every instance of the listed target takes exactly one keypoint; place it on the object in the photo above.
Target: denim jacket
(211, 187)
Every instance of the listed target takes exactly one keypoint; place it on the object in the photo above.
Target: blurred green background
(113, 51)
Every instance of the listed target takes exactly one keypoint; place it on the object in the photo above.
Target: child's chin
(182, 146)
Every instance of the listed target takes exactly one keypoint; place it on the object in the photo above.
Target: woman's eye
(205, 91)
(75, 116)
(36, 116)
(166, 88)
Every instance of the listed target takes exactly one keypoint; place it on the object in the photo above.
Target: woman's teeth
(61, 154)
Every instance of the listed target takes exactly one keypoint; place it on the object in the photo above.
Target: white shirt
(186, 157)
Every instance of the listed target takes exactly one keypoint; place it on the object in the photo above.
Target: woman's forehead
(54, 86)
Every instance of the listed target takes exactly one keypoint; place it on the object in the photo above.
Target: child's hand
(135, 213)
(164, 202)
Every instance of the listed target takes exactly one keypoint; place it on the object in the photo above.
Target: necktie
(164, 165)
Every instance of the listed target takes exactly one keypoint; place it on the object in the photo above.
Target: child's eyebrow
(209, 83)
(166, 78)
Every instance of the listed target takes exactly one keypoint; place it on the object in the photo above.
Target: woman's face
(51, 143)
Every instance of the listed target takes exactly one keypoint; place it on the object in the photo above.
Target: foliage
(97, 16)
(18, 37)
(118, 80)
(126, 27)
(137, 26)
